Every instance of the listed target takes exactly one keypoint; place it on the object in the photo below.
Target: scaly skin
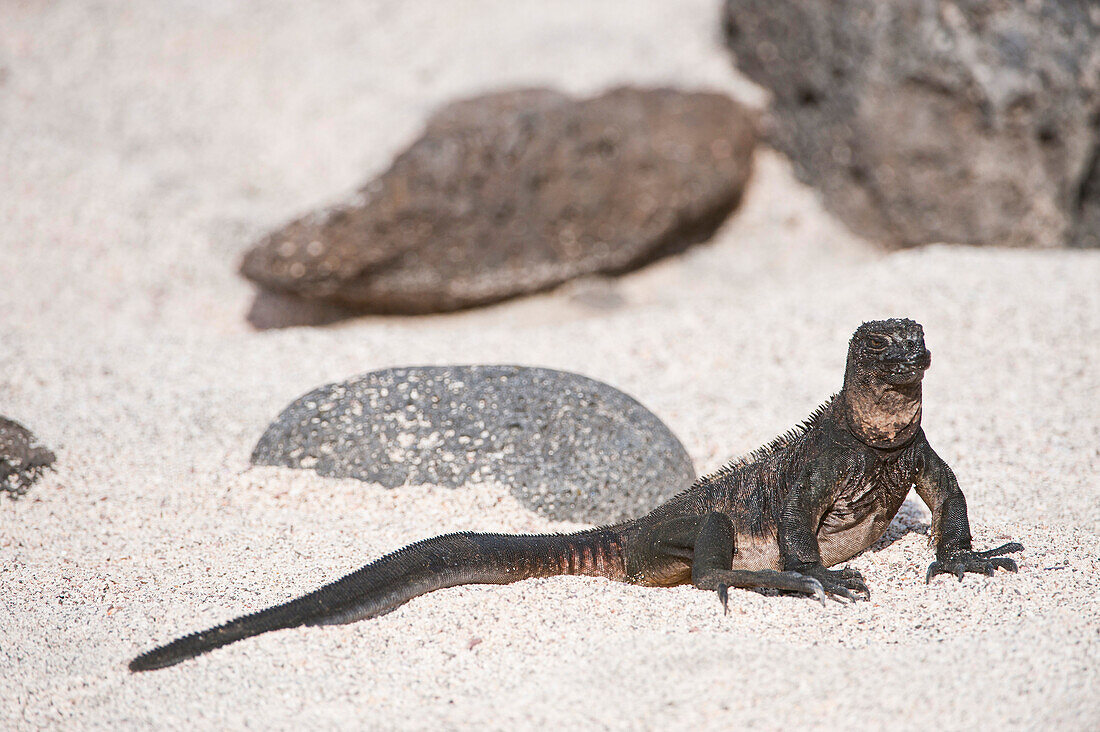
(775, 519)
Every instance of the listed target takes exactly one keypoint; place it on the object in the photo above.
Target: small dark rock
(569, 447)
(518, 191)
(22, 459)
(936, 120)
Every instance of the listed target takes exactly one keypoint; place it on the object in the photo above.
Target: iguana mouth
(918, 362)
(906, 372)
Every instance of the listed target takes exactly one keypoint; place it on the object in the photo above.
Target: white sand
(142, 148)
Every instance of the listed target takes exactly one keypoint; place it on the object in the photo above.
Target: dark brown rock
(22, 459)
(936, 120)
(516, 192)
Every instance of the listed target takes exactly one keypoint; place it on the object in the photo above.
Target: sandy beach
(144, 147)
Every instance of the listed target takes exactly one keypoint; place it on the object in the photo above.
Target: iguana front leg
(713, 550)
(798, 545)
(937, 487)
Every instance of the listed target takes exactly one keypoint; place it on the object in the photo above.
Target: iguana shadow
(911, 518)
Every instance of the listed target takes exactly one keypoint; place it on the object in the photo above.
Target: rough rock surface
(568, 446)
(931, 120)
(519, 191)
(22, 459)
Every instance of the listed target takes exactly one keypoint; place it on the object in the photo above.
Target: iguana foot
(845, 585)
(721, 580)
(985, 562)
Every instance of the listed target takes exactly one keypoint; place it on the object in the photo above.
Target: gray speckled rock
(22, 459)
(570, 447)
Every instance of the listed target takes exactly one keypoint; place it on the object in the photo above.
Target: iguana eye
(877, 342)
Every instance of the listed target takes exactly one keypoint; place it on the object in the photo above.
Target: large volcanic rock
(568, 447)
(516, 192)
(936, 120)
(22, 458)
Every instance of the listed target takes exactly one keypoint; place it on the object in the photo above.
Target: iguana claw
(819, 591)
(844, 585)
(986, 562)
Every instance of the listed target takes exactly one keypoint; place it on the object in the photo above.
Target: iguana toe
(844, 585)
(849, 573)
(1008, 548)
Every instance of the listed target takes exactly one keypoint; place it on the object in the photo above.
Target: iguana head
(891, 351)
(882, 383)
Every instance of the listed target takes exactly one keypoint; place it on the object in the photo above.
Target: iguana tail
(393, 580)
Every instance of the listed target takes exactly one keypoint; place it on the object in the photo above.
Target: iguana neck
(881, 415)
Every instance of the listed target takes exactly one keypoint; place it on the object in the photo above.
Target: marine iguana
(774, 519)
